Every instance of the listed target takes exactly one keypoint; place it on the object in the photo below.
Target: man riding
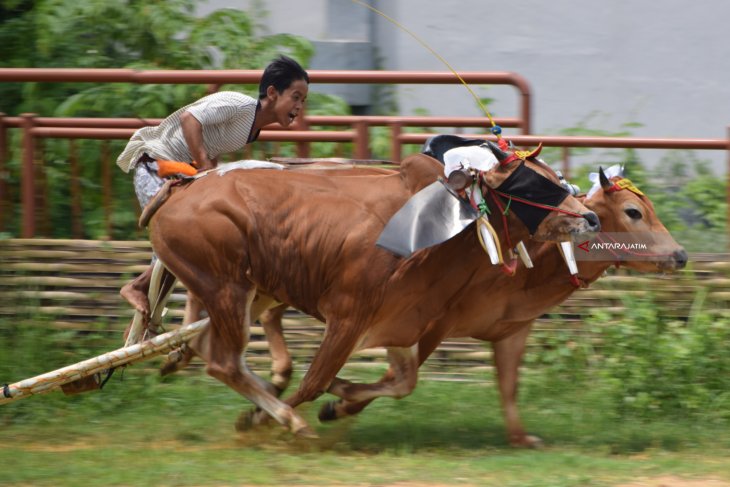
(198, 133)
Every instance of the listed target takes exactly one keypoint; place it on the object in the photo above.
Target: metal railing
(43, 127)
(72, 128)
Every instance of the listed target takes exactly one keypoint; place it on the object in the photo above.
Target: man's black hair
(280, 74)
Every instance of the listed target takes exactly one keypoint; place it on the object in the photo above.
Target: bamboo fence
(74, 285)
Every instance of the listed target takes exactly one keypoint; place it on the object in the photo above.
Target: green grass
(144, 431)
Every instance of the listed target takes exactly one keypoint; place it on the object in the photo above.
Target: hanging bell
(459, 180)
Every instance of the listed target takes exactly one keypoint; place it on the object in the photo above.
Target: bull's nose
(680, 257)
(593, 221)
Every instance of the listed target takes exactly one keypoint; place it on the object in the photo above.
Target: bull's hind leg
(398, 382)
(508, 354)
(281, 362)
(226, 342)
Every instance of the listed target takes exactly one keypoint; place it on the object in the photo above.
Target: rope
(106, 379)
(496, 129)
(538, 205)
(504, 217)
(509, 203)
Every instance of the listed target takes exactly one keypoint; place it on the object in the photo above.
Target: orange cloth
(171, 168)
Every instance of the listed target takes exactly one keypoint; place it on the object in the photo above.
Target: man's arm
(193, 132)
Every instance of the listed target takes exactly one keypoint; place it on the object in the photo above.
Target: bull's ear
(605, 183)
(498, 153)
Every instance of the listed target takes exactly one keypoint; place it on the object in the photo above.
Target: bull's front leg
(426, 345)
(226, 345)
(337, 345)
(403, 368)
(336, 348)
(508, 354)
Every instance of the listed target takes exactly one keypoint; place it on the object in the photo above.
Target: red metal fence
(35, 128)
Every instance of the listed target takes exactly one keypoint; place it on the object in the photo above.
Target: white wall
(301, 17)
(663, 63)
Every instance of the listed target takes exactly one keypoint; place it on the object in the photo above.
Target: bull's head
(517, 183)
(628, 216)
(518, 192)
(533, 192)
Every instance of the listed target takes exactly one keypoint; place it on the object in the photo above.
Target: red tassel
(511, 268)
(502, 144)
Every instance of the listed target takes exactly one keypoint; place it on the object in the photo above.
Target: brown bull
(309, 241)
(514, 303)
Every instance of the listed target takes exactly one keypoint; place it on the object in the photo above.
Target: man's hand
(203, 167)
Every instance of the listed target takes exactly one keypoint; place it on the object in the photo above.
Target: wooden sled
(90, 374)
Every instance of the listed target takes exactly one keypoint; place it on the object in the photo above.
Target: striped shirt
(227, 118)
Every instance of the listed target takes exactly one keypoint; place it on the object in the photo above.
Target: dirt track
(669, 481)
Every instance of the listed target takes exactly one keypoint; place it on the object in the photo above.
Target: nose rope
(503, 215)
(512, 267)
(538, 205)
(504, 212)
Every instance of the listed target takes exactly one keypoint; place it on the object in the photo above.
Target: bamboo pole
(123, 356)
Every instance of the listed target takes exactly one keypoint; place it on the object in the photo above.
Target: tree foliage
(688, 197)
(136, 34)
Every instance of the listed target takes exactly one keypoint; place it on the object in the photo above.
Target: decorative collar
(522, 155)
(624, 183)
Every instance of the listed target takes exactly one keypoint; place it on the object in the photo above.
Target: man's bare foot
(136, 297)
(135, 292)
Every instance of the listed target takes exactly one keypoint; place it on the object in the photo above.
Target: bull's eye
(633, 213)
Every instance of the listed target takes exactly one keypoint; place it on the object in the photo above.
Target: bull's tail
(158, 200)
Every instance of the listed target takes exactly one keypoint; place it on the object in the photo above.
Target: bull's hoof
(172, 362)
(280, 381)
(251, 419)
(328, 411)
(305, 432)
(527, 441)
(168, 368)
(245, 421)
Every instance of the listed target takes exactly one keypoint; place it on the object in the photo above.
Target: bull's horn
(566, 250)
(498, 153)
(605, 183)
(524, 255)
(489, 241)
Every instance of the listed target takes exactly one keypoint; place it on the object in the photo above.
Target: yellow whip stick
(496, 129)
(485, 231)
